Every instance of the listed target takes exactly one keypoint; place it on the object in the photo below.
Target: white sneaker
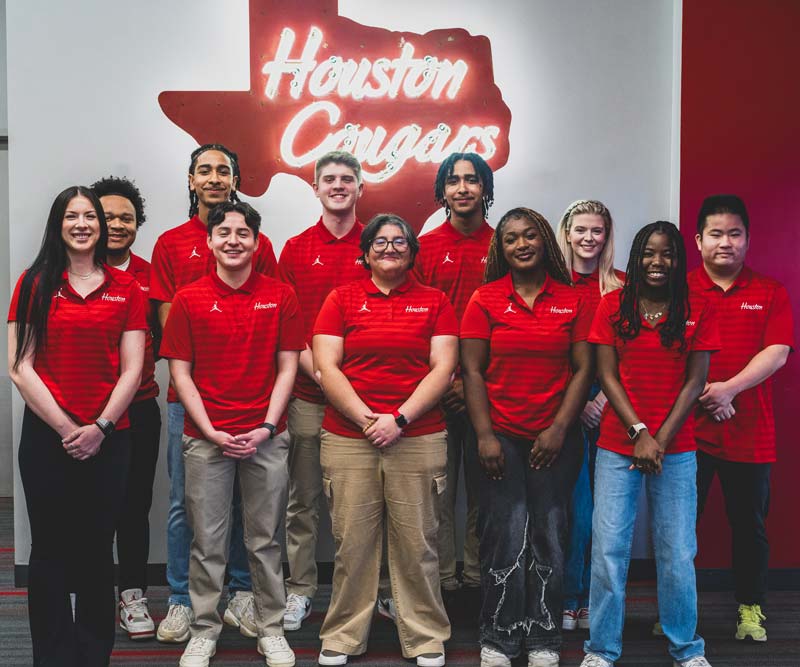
(276, 650)
(594, 660)
(174, 627)
(298, 609)
(583, 618)
(198, 652)
(387, 609)
(134, 616)
(569, 619)
(336, 660)
(431, 660)
(697, 661)
(491, 657)
(240, 613)
(543, 657)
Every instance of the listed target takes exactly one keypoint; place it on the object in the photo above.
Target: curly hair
(114, 185)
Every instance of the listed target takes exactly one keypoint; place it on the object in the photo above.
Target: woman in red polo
(385, 348)
(527, 369)
(76, 347)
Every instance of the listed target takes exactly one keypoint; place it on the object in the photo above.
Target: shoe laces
(178, 613)
(592, 660)
(198, 646)
(242, 604)
(698, 661)
(751, 613)
(295, 603)
(276, 643)
(544, 653)
(136, 608)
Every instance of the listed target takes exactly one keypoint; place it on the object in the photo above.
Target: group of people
(369, 366)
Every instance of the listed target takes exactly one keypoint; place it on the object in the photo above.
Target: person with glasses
(385, 348)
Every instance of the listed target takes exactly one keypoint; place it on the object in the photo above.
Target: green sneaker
(750, 620)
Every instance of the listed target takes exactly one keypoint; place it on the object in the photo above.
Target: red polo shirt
(756, 313)
(453, 262)
(589, 287)
(79, 360)
(313, 263)
(140, 269)
(387, 344)
(651, 374)
(181, 256)
(529, 351)
(232, 338)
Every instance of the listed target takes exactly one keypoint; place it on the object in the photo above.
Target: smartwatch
(635, 430)
(105, 425)
(399, 419)
(270, 427)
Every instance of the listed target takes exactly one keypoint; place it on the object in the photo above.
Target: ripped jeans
(523, 526)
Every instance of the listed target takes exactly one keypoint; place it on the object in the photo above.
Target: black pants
(133, 527)
(745, 487)
(73, 508)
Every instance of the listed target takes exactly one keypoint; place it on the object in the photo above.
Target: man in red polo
(735, 426)
(322, 257)
(452, 258)
(181, 256)
(124, 208)
(233, 340)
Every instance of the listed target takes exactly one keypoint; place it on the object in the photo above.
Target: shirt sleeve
(137, 309)
(602, 330)
(583, 322)
(330, 321)
(706, 333)
(162, 276)
(176, 342)
(291, 335)
(285, 266)
(780, 325)
(265, 257)
(446, 323)
(475, 323)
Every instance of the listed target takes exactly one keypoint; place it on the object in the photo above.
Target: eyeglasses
(381, 244)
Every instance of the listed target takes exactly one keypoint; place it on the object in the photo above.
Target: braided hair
(629, 321)
(496, 264)
(196, 153)
(483, 170)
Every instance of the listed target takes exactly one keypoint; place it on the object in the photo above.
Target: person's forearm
(477, 400)
(427, 394)
(39, 399)
(163, 312)
(618, 398)
(696, 373)
(759, 368)
(282, 387)
(574, 398)
(307, 363)
(131, 355)
(342, 396)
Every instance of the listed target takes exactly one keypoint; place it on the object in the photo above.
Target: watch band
(270, 427)
(105, 425)
(399, 419)
(635, 430)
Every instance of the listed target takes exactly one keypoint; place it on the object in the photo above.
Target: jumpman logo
(364, 308)
(215, 308)
(60, 294)
(194, 253)
(509, 309)
(317, 262)
(447, 259)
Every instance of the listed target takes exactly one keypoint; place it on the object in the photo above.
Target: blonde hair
(608, 278)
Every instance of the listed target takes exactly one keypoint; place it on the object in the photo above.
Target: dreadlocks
(483, 170)
(629, 321)
(196, 153)
(496, 264)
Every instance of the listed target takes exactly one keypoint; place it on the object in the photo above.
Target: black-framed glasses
(381, 244)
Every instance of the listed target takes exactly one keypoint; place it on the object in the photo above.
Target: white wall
(589, 85)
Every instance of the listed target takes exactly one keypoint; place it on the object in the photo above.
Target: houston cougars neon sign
(322, 82)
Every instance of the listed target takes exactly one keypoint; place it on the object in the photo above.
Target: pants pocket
(440, 484)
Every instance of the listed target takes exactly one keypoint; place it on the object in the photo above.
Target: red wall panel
(740, 133)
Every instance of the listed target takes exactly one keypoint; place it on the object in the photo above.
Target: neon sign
(321, 82)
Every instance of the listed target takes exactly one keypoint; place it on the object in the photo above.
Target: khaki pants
(305, 489)
(404, 483)
(263, 480)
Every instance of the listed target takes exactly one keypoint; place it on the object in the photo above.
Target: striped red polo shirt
(755, 313)
(79, 360)
(453, 262)
(386, 346)
(232, 338)
(529, 351)
(313, 263)
(651, 374)
(140, 269)
(589, 287)
(181, 256)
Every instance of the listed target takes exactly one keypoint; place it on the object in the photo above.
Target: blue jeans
(523, 522)
(672, 502)
(179, 532)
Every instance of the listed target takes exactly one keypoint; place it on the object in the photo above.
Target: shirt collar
(742, 280)
(107, 280)
(373, 290)
(580, 279)
(484, 231)
(197, 222)
(223, 289)
(353, 236)
(547, 287)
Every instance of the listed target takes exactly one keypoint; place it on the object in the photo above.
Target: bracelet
(270, 427)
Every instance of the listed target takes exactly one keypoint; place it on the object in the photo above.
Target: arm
(278, 400)
(474, 362)
(548, 443)
(306, 364)
(717, 397)
(328, 356)
(442, 360)
(34, 392)
(163, 312)
(181, 373)
(696, 374)
(85, 441)
(593, 411)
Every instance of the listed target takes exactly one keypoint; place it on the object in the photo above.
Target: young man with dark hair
(735, 426)
(233, 339)
(322, 257)
(181, 256)
(452, 258)
(124, 208)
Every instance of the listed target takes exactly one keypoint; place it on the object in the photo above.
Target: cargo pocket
(327, 489)
(440, 484)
